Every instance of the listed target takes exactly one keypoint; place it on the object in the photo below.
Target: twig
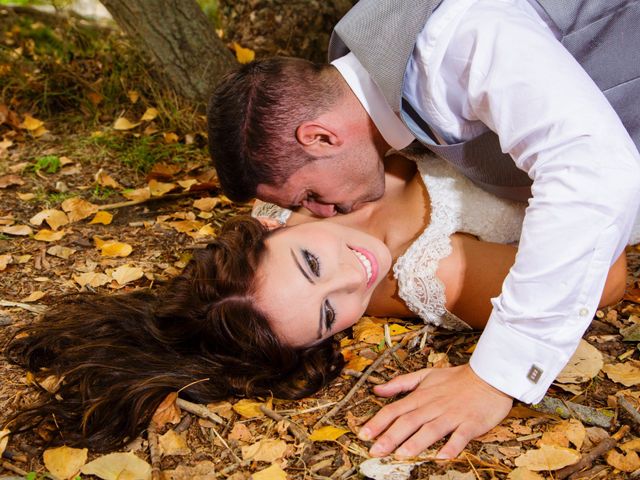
(366, 374)
(12, 468)
(295, 429)
(564, 409)
(199, 410)
(154, 451)
(372, 378)
(589, 457)
(35, 308)
(131, 203)
(630, 409)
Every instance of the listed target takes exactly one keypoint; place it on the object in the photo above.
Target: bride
(254, 313)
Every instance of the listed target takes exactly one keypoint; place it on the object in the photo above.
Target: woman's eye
(312, 261)
(329, 315)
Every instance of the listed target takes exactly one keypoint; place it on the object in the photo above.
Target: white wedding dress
(457, 205)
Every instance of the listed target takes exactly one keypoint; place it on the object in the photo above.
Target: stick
(563, 409)
(630, 409)
(131, 203)
(154, 451)
(588, 458)
(366, 374)
(13, 468)
(293, 428)
(199, 410)
(35, 308)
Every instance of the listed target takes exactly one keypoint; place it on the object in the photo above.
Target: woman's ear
(270, 223)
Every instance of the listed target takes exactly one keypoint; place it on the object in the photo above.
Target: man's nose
(320, 209)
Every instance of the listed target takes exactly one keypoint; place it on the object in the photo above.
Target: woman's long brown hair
(120, 355)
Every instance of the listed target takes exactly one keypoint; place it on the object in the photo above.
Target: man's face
(330, 185)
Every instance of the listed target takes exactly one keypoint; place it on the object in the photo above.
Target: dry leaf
(60, 251)
(206, 204)
(547, 457)
(159, 189)
(585, 364)
(395, 329)
(628, 373)
(627, 462)
(78, 208)
(369, 330)
(125, 274)
(522, 473)
(115, 465)
(274, 472)
(139, 194)
(204, 470)
(224, 409)
(204, 232)
(25, 197)
(149, 115)
(327, 434)
(358, 363)
(170, 137)
(17, 230)
(33, 297)
(184, 226)
(54, 218)
(241, 433)
(438, 360)
(45, 235)
(250, 408)
(172, 443)
(10, 180)
(30, 123)
(115, 249)
(243, 55)
(387, 469)
(102, 217)
(124, 124)
(133, 96)
(168, 411)
(104, 179)
(4, 439)
(499, 433)
(266, 450)
(5, 260)
(64, 462)
(93, 279)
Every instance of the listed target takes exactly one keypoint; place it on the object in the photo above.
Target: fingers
(385, 417)
(402, 383)
(456, 443)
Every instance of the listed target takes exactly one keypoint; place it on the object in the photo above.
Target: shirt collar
(365, 89)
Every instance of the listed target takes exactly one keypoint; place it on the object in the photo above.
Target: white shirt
(496, 64)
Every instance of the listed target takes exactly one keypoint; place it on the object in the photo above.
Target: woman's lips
(368, 262)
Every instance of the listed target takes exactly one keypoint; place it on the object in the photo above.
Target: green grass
(48, 164)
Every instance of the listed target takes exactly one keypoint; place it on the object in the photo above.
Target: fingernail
(376, 450)
(364, 434)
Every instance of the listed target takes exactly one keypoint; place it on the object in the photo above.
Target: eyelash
(314, 265)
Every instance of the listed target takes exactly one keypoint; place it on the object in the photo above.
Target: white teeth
(365, 261)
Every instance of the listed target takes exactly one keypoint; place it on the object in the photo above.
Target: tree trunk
(179, 39)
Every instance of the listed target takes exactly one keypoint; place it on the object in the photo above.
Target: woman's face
(317, 278)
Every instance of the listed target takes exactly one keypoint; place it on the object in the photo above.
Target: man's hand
(443, 400)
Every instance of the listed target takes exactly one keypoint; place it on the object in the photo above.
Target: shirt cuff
(514, 363)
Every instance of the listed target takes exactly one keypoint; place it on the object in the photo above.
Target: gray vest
(603, 35)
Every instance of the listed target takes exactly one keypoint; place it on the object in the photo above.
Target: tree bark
(179, 39)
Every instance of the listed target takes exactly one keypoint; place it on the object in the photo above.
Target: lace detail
(264, 209)
(418, 285)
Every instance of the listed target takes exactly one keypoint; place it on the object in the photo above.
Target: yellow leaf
(368, 330)
(31, 123)
(126, 274)
(203, 232)
(184, 226)
(522, 473)
(168, 411)
(188, 183)
(249, 408)
(170, 137)
(139, 194)
(64, 462)
(17, 230)
(358, 363)
(78, 208)
(206, 204)
(158, 189)
(4, 439)
(34, 296)
(104, 179)
(133, 96)
(547, 457)
(25, 197)
(628, 373)
(244, 55)
(264, 451)
(123, 124)
(45, 235)
(395, 329)
(39, 132)
(327, 434)
(172, 443)
(102, 217)
(5, 260)
(585, 364)
(149, 115)
(115, 249)
(114, 465)
(274, 472)
(54, 218)
(627, 462)
(93, 279)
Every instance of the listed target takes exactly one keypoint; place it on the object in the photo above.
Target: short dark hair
(253, 116)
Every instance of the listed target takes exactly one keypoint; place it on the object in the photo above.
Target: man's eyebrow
(302, 270)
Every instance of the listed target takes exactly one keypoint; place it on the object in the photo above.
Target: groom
(510, 93)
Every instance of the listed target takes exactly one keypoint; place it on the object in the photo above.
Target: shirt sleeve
(558, 127)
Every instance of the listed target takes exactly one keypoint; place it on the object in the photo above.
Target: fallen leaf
(241, 433)
(627, 462)
(33, 296)
(185, 226)
(139, 194)
(105, 180)
(547, 457)
(149, 115)
(499, 433)
(126, 274)
(102, 217)
(358, 363)
(4, 439)
(250, 408)
(627, 373)
(206, 204)
(10, 180)
(168, 411)
(327, 434)
(243, 55)
(112, 248)
(64, 462)
(124, 124)
(17, 230)
(133, 96)
(60, 251)
(54, 218)
(584, 364)
(522, 473)
(172, 443)
(93, 279)
(159, 189)
(45, 235)
(204, 470)
(5, 260)
(266, 450)
(395, 329)
(78, 208)
(274, 472)
(369, 330)
(224, 409)
(115, 465)
(387, 469)
(438, 360)
(30, 123)
(25, 197)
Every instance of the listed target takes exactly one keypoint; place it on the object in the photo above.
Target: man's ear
(317, 138)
